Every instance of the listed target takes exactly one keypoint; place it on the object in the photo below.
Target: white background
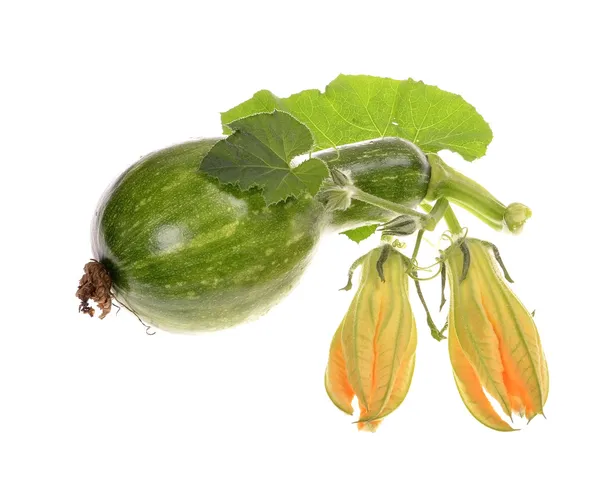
(89, 87)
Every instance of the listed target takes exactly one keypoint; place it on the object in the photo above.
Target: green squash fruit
(186, 253)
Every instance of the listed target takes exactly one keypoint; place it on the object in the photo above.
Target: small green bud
(515, 216)
(340, 178)
(402, 225)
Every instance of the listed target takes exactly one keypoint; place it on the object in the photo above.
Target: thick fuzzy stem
(448, 183)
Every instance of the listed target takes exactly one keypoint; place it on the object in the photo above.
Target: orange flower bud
(372, 355)
(494, 344)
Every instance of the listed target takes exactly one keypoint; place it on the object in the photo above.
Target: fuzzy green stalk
(448, 183)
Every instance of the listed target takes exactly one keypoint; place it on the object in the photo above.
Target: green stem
(417, 246)
(358, 194)
(435, 332)
(437, 213)
(448, 183)
(452, 221)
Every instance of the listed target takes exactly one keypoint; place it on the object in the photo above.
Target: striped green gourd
(186, 253)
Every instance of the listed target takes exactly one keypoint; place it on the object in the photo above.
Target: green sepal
(385, 253)
(466, 261)
(499, 260)
(355, 265)
(443, 274)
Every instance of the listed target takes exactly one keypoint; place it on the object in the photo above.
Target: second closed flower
(495, 348)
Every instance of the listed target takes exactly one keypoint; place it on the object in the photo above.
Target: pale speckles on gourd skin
(392, 168)
(187, 271)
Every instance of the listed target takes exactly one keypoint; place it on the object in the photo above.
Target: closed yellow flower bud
(494, 345)
(372, 355)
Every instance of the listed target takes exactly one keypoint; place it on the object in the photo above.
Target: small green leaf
(360, 107)
(361, 233)
(259, 153)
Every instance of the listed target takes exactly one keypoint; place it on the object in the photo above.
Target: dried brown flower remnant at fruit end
(95, 284)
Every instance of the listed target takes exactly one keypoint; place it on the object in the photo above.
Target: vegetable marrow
(187, 253)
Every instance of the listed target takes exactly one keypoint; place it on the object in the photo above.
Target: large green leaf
(360, 107)
(259, 153)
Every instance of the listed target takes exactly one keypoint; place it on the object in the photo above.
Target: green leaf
(361, 233)
(263, 101)
(360, 107)
(259, 153)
